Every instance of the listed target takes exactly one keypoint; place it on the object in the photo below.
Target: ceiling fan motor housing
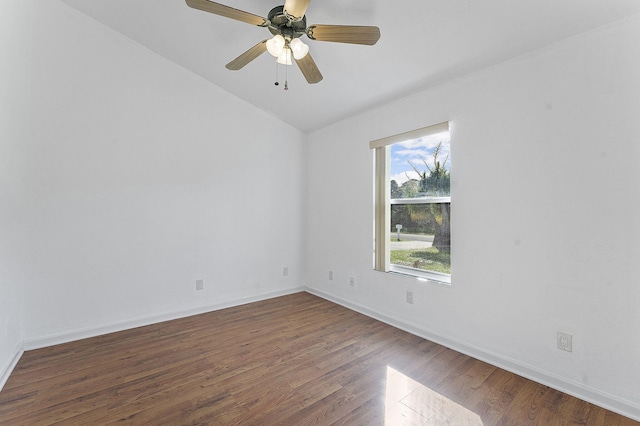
(281, 23)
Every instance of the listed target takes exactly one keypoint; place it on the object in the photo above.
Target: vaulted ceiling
(423, 43)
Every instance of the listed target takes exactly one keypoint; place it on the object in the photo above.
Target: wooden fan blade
(227, 12)
(309, 69)
(247, 56)
(344, 34)
(296, 8)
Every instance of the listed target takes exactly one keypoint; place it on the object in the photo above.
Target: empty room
(319, 212)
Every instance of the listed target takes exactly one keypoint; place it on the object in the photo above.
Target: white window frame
(383, 203)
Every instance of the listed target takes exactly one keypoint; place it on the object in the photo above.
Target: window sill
(421, 274)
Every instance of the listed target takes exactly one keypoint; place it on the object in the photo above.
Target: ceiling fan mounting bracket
(280, 22)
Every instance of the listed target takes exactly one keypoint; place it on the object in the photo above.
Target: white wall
(13, 87)
(136, 178)
(546, 215)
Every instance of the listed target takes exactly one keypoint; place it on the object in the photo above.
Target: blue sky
(411, 150)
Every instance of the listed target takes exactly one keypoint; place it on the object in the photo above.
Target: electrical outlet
(352, 281)
(199, 284)
(410, 297)
(331, 275)
(285, 271)
(565, 341)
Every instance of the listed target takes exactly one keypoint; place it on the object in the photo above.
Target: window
(413, 203)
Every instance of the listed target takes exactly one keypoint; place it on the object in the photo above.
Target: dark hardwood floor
(293, 360)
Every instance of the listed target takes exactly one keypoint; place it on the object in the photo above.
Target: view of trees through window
(421, 203)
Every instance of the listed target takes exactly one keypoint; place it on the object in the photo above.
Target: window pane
(420, 236)
(421, 167)
(421, 203)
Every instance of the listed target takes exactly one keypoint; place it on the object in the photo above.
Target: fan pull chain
(286, 72)
(286, 76)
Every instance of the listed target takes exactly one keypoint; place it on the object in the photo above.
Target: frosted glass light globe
(285, 57)
(298, 48)
(275, 45)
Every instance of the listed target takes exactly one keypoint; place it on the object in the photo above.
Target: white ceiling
(423, 43)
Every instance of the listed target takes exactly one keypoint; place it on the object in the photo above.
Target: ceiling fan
(288, 23)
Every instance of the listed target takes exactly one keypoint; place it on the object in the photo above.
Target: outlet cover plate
(565, 341)
(410, 297)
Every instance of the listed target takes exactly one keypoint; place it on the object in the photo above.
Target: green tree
(396, 192)
(410, 189)
(436, 182)
(441, 213)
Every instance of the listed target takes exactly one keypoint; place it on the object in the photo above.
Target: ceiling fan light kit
(288, 23)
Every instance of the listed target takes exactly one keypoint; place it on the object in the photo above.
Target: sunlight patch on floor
(408, 402)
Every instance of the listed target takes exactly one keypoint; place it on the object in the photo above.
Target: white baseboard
(8, 368)
(79, 334)
(578, 390)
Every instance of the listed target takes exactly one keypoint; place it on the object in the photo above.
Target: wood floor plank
(292, 360)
